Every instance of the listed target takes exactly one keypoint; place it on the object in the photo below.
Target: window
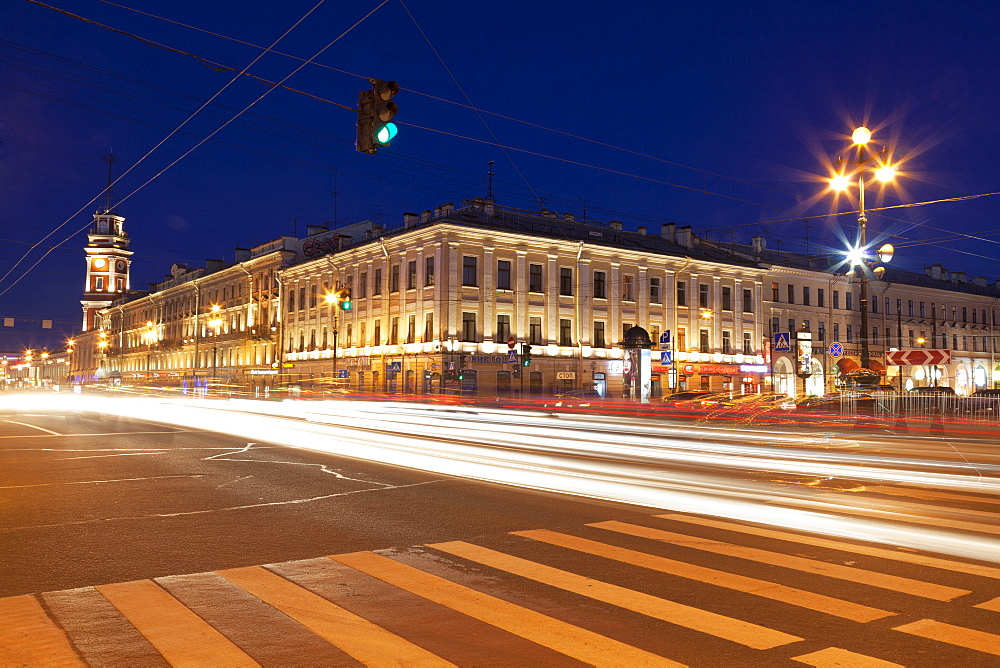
(411, 329)
(503, 275)
(468, 326)
(775, 325)
(535, 278)
(470, 272)
(909, 306)
(820, 297)
(703, 340)
(394, 278)
(429, 326)
(302, 297)
(848, 300)
(911, 338)
(922, 314)
(874, 336)
(411, 275)
(535, 331)
(565, 332)
(599, 340)
(850, 334)
(791, 294)
(806, 298)
(682, 293)
(363, 286)
(313, 295)
(821, 336)
(747, 343)
(836, 331)
(628, 288)
(349, 340)
(727, 298)
(727, 343)
(875, 305)
(775, 297)
(120, 285)
(362, 333)
(654, 291)
(888, 338)
(748, 301)
(429, 271)
(965, 312)
(503, 328)
(703, 295)
(600, 285)
(565, 281)
(681, 338)
(394, 331)
(836, 299)
(377, 287)
(377, 333)
(100, 284)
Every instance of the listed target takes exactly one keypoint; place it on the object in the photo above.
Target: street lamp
(803, 353)
(150, 337)
(215, 323)
(334, 300)
(883, 171)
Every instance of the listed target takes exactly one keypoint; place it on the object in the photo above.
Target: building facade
(445, 303)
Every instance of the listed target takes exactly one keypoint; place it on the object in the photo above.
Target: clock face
(121, 265)
(100, 262)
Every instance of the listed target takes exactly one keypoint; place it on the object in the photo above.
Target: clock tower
(107, 265)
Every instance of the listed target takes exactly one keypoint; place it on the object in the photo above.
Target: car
(983, 401)
(936, 390)
(684, 398)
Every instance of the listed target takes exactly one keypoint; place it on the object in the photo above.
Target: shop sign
(492, 359)
(565, 375)
(263, 372)
(754, 368)
(359, 361)
(722, 369)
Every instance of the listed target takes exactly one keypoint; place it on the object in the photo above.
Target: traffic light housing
(375, 111)
(461, 366)
(525, 354)
(344, 299)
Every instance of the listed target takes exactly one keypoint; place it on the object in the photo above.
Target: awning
(847, 364)
(875, 365)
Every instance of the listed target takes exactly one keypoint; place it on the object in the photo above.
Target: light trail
(644, 462)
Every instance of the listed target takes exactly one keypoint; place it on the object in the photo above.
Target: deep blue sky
(757, 97)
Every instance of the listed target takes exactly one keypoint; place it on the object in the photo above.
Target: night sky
(724, 116)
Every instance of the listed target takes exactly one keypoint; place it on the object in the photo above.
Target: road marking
(953, 635)
(181, 636)
(834, 657)
(570, 640)
(365, 641)
(25, 424)
(764, 588)
(928, 494)
(29, 637)
(929, 590)
(897, 516)
(720, 626)
(992, 604)
(910, 558)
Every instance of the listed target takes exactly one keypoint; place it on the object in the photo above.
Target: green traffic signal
(386, 134)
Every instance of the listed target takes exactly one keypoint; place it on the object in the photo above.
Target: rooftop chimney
(685, 237)
(616, 224)
(410, 219)
(642, 230)
(669, 232)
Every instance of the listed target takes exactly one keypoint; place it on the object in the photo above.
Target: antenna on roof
(489, 173)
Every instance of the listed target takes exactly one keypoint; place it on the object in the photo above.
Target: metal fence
(918, 406)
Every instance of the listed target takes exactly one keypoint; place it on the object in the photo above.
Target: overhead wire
(200, 143)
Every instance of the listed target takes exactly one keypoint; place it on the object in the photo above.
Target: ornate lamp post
(865, 160)
(215, 323)
(803, 355)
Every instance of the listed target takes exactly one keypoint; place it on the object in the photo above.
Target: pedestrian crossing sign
(511, 357)
(782, 341)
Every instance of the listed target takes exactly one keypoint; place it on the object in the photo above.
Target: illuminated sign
(263, 372)
(314, 247)
(724, 369)
(753, 368)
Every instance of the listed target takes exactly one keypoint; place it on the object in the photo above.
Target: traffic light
(344, 299)
(375, 110)
(461, 366)
(525, 354)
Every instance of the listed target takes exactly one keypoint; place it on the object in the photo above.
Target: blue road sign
(665, 337)
(836, 350)
(511, 357)
(782, 341)
(395, 367)
(666, 357)
(343, 373)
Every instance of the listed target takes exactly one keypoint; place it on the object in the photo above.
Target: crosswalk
(664, 590)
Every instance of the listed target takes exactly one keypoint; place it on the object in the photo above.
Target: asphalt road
(114, 529)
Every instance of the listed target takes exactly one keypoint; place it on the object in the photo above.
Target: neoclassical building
(452, 299)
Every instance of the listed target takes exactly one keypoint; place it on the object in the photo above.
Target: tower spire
(111, 159)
